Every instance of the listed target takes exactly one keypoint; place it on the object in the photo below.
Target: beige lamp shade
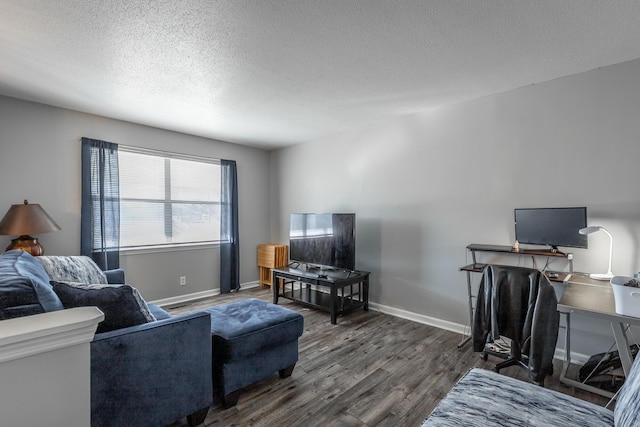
(22, 220)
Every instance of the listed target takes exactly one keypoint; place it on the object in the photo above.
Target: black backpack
(604, 370)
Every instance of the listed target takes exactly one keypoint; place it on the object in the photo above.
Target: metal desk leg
(623, 346)
(467, 339)
(566, 360)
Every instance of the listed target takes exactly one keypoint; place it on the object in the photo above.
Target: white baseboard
(248, 285)
(420, 318)
(456, 327)
(187, 298)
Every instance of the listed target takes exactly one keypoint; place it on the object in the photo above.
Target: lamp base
(601, 276)
(27, 244)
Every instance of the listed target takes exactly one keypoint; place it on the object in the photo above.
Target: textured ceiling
(275, 73)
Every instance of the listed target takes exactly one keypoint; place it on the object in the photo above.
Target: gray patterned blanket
(486, 398)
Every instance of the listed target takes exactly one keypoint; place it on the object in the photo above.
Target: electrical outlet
(183, 280)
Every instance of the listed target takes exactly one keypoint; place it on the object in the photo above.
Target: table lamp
(592, 229)
(23, 220)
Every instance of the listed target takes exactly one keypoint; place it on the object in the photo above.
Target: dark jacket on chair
(519, 303)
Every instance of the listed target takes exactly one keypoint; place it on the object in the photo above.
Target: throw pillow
(24, 286)
(74, 268)
(122, 305)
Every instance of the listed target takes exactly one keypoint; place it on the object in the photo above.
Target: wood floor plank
(370, 369)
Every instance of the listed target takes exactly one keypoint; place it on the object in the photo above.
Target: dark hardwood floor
(371, 369)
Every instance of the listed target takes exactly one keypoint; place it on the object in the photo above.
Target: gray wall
(40, 161)
(423, 187)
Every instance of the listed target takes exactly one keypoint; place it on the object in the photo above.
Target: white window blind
(167, 199)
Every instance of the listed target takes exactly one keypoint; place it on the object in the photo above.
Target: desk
(593, 298)
(476, 267)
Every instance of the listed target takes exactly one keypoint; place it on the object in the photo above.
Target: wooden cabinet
(270, 256)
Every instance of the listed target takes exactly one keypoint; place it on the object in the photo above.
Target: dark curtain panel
(100, 215)
(229, 236)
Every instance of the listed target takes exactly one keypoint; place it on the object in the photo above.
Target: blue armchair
(152, 373)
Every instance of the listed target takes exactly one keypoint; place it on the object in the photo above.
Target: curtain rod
(171, 154)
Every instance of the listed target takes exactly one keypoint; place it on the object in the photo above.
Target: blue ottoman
(252, 339)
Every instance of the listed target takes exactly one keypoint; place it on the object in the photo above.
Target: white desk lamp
(592, 229)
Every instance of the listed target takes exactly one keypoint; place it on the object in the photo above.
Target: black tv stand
(336, 291)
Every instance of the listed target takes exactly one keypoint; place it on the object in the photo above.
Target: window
(167, 199)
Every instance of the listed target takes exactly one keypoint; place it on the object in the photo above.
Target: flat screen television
(551, 226)
(327, 240)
